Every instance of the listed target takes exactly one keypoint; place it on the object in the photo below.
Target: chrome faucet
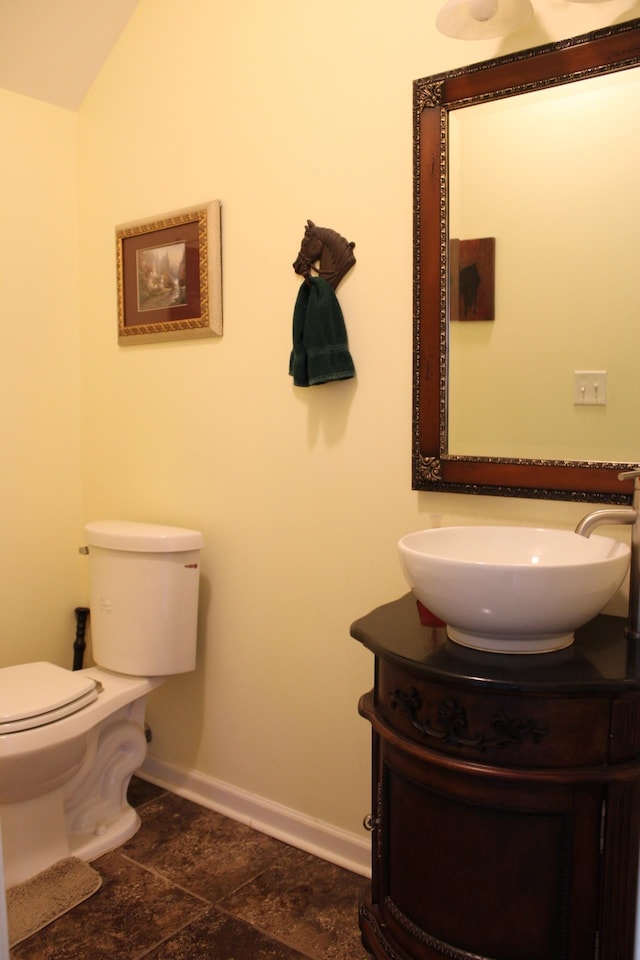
(629, 515)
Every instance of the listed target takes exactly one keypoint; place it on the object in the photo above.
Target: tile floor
(194, 885)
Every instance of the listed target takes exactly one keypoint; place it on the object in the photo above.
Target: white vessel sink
(512, 589)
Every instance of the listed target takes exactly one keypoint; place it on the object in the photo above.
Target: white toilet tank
(144, 581)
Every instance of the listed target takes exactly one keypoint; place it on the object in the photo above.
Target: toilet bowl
(70, 740)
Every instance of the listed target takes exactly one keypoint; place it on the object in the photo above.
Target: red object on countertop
(428, 619)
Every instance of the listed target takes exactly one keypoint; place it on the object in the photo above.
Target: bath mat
(39, 901)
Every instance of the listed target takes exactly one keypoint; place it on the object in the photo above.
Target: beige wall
(40, 480)
(282, 113)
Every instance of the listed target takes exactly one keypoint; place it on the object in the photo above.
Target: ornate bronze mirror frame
(434, 468)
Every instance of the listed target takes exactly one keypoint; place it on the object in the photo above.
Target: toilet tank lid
(141, 537)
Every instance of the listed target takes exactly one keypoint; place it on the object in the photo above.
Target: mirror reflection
(551, 176)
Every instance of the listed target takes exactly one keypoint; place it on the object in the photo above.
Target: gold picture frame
(170, 276)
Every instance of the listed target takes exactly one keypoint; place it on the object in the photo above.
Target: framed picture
(472, 279)
(170, 277)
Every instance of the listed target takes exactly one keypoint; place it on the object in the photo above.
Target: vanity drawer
(500, 729)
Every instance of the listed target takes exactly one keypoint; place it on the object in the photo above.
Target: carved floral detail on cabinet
(452, 726)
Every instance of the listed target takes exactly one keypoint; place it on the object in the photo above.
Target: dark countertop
(600, 657)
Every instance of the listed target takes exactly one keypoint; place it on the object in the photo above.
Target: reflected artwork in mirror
(495, 404)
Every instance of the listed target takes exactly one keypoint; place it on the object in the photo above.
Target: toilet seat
(35, 694)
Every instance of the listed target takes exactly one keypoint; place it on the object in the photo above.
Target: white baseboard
(314, 836)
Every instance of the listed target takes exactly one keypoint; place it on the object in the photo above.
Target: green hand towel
(320, 348)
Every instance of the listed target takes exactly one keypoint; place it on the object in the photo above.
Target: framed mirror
(526, 316)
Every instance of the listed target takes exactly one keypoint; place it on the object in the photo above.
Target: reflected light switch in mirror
(590, 387)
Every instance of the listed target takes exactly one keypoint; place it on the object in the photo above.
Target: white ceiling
(53, 50)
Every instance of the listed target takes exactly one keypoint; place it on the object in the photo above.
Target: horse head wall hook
(330, 248)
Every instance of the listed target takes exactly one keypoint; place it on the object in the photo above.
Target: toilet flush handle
(84, 550)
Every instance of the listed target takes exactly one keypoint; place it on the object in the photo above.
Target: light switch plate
(590, 387)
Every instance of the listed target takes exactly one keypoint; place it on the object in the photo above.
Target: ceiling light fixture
(484, 19)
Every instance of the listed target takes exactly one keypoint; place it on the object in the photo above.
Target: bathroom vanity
(505, 798)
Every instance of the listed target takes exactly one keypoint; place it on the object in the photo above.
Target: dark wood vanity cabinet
(506, 796)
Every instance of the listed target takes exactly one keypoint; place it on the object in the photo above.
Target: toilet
(70, 740)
